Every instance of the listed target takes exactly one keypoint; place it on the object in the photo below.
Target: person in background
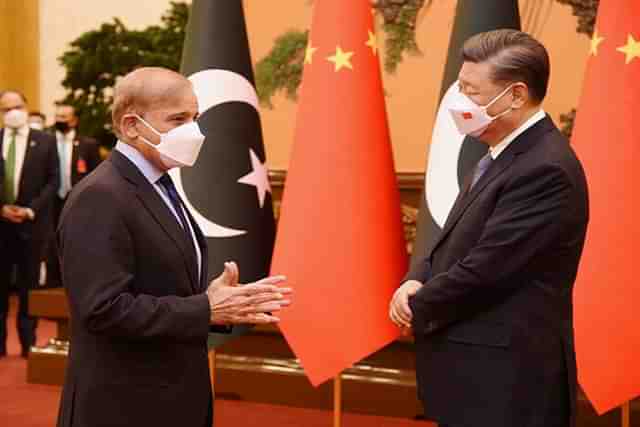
(28, 181)
(37, 120)
(78, 156)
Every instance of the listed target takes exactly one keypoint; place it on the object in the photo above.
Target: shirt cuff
(31, 214)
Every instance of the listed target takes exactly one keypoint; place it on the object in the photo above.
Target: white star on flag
(258, 177)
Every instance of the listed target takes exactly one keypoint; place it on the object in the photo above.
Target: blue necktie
(166, 182)
(481, 168)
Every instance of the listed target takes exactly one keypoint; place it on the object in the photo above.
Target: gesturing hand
(399, 310)
(251, 303)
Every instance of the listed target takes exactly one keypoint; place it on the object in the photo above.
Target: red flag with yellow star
(340, 240)
(607, 139)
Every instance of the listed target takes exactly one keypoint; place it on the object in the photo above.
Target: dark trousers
(54, 277)
(20, 255)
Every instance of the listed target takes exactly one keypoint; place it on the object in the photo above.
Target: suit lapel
(521, 144)
(75, 154)
(152, 201)
(464, 200)
(29, 152)
(204, 250)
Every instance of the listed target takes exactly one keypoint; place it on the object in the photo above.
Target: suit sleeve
(98, 269)
(53, 177)
(528, 220)
(420, 271)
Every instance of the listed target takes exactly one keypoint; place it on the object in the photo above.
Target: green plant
(400, 20)
(97, 58)
(586, 11)
(282, 68)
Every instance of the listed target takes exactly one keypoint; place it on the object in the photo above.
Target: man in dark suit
(79, 156)
(29, 177)
(134, 264)
(490, 306)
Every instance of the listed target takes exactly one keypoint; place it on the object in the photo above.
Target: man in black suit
(490, 306)
(79, 156)
(29, 177)
(134, 264)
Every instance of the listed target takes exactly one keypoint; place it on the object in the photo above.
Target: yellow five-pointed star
(341, 59)
(308, 55)
(372, 42)
(631, 49)
(595, 42)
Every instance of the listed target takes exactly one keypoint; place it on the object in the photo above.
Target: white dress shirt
(496, 150)
(153, 174)
(65, 154)
(21, 150)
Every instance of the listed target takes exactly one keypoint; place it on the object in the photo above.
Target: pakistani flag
(451, 155)
(228, 189)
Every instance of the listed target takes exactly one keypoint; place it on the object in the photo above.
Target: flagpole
(337, 401)
(212, 367)
(626, 414)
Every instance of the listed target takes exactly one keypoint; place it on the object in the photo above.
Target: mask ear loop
(494, 100)
(507, 111)
(147, 125)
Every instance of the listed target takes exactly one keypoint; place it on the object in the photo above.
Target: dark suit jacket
(140, 315)
(493, 323)
(85, 158)
(38, 183)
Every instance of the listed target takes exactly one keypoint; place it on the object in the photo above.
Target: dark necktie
(167, 183)
(481, 168)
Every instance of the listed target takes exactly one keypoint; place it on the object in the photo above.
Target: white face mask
(472, 119)
(180, 146)
(36, 126)
(15, 118)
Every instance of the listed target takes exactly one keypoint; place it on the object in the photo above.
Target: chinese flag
(340, 241)
(607, 139)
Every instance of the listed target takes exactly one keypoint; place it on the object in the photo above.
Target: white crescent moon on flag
(441, 179)
(212, 88)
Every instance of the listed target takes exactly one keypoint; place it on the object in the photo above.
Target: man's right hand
(252, 303)
(12, 214)
(399, 310)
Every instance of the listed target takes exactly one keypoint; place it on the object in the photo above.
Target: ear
(520, 95)
(128, 127)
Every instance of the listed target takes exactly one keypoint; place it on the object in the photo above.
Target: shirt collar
(496, 150)
(147, 168)
(22, 131)
(66, 137)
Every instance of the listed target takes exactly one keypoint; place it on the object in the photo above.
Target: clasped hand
(255, 303)
(15, 214)
(399, 310)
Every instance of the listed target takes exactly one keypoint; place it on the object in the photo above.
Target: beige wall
(413, 90)
(19, 48)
